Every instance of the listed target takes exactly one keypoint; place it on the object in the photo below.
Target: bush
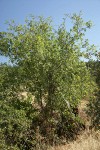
(47, 65)
(94, 110)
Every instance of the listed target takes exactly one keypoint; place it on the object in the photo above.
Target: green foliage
(94, 67)
(49, 60)
(46, 63)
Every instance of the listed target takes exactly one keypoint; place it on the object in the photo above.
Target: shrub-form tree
(47, 63)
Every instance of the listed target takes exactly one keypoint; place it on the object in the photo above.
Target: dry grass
(86, 141)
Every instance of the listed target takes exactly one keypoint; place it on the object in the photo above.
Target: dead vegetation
(86, 141)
